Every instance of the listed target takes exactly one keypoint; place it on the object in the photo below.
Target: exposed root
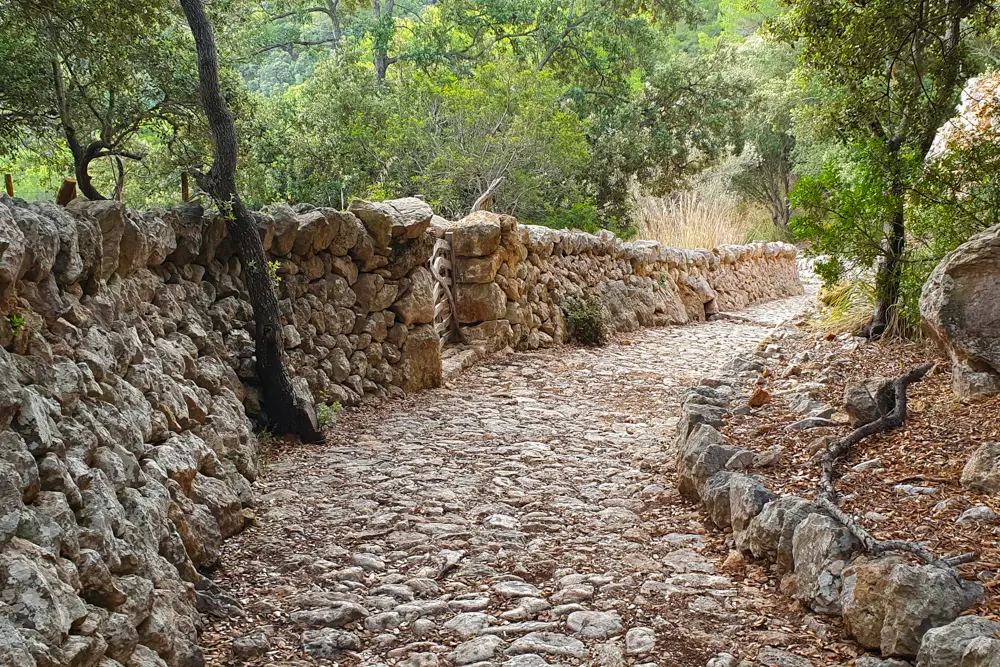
(887, 422)
(891, 399)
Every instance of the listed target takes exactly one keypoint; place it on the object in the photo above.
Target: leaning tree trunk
(286, 415)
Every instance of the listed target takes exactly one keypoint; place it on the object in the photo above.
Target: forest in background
(698, 121)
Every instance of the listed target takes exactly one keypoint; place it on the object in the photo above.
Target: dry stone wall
(128, 390)
(512, 281)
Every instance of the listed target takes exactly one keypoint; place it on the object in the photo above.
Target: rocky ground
(525, 514)
(907, 484)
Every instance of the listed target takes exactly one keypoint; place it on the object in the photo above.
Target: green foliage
(272, 273)
(586, 321)
(327, 413)
(884, 119)
(16, 324)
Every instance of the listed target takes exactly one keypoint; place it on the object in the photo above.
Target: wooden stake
(185, 191)
(9, 184)
(67, 192)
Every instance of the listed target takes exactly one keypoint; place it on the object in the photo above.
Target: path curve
(523, 515)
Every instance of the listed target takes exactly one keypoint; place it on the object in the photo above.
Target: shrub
(326, 414)
(586, 322)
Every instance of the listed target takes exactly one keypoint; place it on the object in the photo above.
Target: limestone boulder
(36, 596)
(477, 269)
(982, 471)
(478, 302)
(110, 218)
(68, 266)
(960, 308)
(982, 652)
(477, 235)
(861, 401)
(41, 243)
(12, 250)
(945, 646)
(769, 535)
(416, 305)
(890, 605)
(420, 363)
(821, 550)
(492, 334)
(691, 447)
(747, 498)
(405, 218)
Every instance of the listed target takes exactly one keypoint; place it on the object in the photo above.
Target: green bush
(586, 322)
(326, 414)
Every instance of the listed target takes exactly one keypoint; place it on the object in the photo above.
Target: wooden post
(9, 184)
(67, 192)
(185, 192)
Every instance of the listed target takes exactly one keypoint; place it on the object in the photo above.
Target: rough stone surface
(821, 549)
(945, 646)
(982, 471)
(960, 307)
(890, 605)
(527, 490)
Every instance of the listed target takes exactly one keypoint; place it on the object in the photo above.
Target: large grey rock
(982, 471)
(692, 446)
(476, 650)
(12, 250)
(960, 307)
(716, 497)
(872, 661)
(945, 646)
(36, 597)
(110, 218)
(747, 497)
(821, 549)
(859, 403)
(769, 534)
(328, 643)
(773, 657)
(547, 643)
(982, 652)
(594, 624)
(862, 601)
(890, 605)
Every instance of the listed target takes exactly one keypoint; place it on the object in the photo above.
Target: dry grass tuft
(706, 216)
(846, 307)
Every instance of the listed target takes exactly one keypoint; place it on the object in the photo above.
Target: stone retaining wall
(127, 382)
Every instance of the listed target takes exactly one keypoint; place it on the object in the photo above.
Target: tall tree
(893, 70)
(96, 73)
(286, 413)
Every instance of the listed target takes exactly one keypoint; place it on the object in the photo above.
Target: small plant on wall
(16, 324)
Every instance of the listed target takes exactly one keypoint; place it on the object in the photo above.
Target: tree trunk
(81, 167)
(383, 38)
(286, 415)
(890, 267)
(82, 157)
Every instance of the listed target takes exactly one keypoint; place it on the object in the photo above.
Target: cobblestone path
(523, 515)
